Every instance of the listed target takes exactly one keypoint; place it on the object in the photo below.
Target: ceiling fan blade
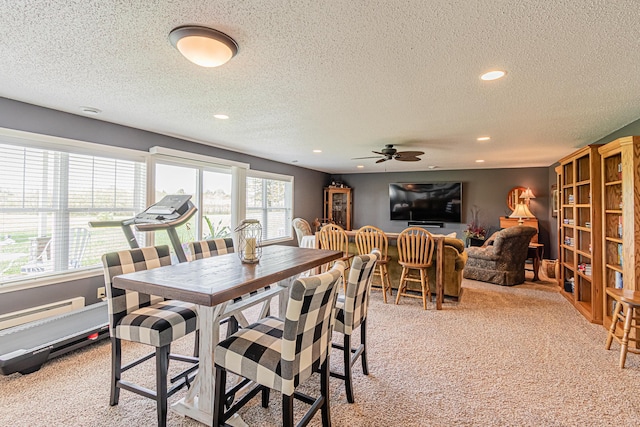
(384, 159)
(370, 157)
(409, 153)
(408, 159)
(377, 152)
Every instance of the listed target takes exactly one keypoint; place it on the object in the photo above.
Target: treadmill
(25, 348)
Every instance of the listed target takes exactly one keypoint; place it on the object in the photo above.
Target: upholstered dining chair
(351, 313)
(333, 237)
(302, 228)
(149, 320)
(281, 355)
(415, 253)
(369, 238)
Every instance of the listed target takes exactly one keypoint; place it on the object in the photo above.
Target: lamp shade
(203, 46)
(527, 194)
(521, 211)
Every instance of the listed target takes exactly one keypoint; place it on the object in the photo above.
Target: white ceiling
(345, 77)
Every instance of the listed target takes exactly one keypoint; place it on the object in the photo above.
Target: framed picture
(554, 200)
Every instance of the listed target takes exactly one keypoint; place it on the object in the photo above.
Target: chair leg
(424, 291)
(401, 285)
(382, 284)
(162, 367)
(614, 323)
(628, 313)
(266, 391)
(386, 274)
(348, 384)
(287, 410)
(363, 341)
(324, 391)
(219, 393)
(116, 370)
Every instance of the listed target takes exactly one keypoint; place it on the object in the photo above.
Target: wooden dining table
(213, 283)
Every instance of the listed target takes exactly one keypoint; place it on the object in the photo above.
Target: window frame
(251, 173)
(69, 146)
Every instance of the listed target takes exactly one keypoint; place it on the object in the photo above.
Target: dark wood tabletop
(211, 281)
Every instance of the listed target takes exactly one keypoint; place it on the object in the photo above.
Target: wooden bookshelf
(620, 171)
(579, 223)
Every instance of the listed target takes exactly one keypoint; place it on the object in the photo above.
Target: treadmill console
(169, 208)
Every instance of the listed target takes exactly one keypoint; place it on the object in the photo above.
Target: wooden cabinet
(580, 231)
(337, 206)
(620, 163)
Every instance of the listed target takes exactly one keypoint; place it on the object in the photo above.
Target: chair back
(512, 244)
(208, 248)
(356, 298)
(308, 325)
(369, 238)
(120, 301)
(78, 240)
(333, 237)
(415, 247)
(302, 228)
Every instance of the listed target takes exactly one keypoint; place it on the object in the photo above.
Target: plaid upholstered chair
(280, 355)
(209, 248)
(351, 313)
(146, 319)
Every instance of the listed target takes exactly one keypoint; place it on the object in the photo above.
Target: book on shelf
(620, 259)
(619, 170)
(620, 226)
(618, 281)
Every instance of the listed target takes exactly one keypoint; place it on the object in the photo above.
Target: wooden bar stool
(369, 238)
(626, 311)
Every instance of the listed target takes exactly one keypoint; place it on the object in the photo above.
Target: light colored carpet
(503, 356)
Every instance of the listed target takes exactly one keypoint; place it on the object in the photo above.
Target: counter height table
(213, 283)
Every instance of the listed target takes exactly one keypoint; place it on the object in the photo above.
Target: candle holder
(249, 241)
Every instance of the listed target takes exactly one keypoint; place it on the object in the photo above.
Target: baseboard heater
(25, 348)
(32, 314)
(426, 224)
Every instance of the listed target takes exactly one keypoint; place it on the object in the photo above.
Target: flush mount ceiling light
(493, 75)
(203, 46)
(484, 138)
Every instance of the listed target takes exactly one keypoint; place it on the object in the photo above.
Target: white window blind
(50, 196)
(270, 200)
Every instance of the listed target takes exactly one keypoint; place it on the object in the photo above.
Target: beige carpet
(519, 356)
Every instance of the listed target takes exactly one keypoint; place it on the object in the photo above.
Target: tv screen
(436, 201)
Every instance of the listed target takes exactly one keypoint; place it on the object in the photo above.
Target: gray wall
(485, 188)
(308, 184)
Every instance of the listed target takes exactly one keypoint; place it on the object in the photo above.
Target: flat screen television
(429, 201)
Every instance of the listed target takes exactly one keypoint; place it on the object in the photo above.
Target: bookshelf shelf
(579, 234)
(620, 170)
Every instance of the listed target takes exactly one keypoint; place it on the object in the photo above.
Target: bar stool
(626, 312)
(415, 252)
(369, 238)
(334, 238)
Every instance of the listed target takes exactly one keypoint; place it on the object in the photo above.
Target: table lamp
(521, 212)
(527, 195)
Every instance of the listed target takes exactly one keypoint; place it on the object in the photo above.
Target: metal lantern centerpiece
(249, 240)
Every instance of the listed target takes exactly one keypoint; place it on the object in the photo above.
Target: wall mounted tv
(428, 201)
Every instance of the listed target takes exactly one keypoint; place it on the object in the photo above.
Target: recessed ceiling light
(90, 110)
(317, 151)
(360, 166)
(493, 75)
(221, 116)
(484, 138)
(203, 46)
(479, 161)
(432, 167)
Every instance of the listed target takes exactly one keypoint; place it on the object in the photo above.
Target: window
(270, 200)
(48, 198)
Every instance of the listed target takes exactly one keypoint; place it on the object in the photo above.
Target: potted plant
(475, 233)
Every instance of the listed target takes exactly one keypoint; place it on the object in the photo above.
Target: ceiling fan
(391, 153)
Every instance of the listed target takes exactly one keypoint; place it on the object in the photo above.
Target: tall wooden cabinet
(337, 206)
(580, 225)
(620, 163)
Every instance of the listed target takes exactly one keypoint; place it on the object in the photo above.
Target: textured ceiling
(345, 77)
